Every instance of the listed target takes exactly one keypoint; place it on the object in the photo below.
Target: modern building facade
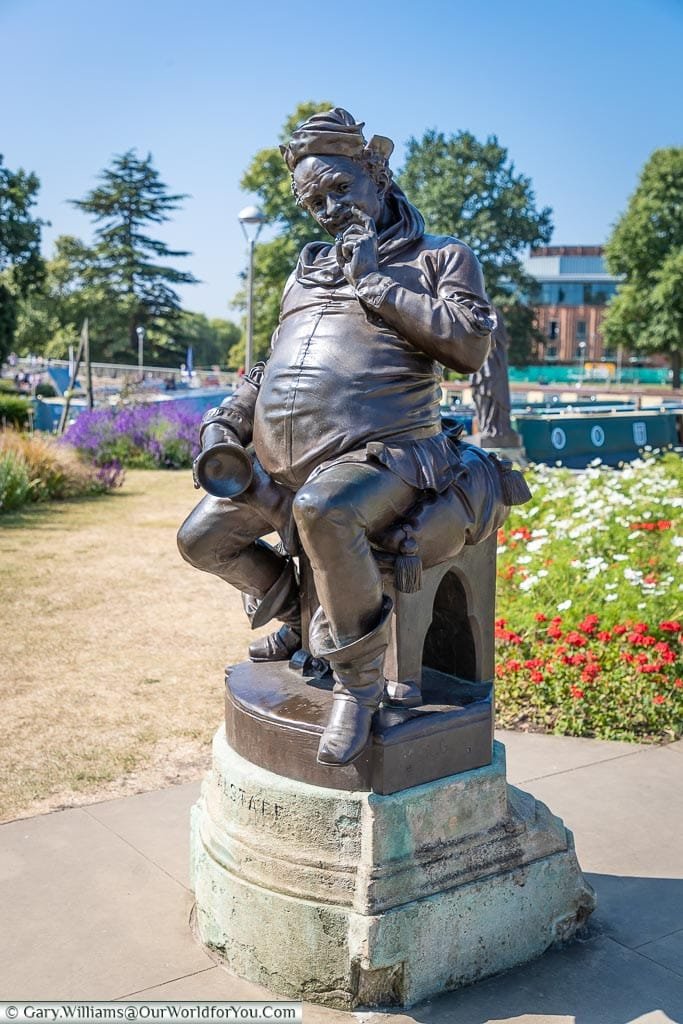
(574, 288)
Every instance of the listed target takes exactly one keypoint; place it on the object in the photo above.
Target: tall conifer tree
(130, 197)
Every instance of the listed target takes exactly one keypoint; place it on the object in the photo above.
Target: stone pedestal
(352, 898)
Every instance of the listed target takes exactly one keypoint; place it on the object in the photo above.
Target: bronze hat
(333, 133)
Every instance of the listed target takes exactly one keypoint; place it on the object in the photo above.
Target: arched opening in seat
(450, 645)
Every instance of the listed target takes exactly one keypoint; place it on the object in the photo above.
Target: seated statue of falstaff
(349, 454)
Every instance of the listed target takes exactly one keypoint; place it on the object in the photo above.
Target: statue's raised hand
(356, 248)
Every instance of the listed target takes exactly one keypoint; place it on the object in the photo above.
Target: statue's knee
(320, 509)
(194, 545)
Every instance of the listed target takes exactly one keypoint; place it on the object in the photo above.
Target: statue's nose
(331, 205)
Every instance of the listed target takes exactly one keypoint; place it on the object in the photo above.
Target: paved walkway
(95, 901)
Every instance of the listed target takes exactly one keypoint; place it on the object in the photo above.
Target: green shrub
(7, 386)
(51, 470)
(15, 484)
(14, 410)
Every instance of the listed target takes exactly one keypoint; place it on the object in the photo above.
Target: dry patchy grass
(112, 648)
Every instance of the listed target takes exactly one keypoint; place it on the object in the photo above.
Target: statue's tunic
(356, 367)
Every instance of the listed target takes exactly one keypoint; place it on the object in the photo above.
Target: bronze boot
(281, 602)
(358, 686)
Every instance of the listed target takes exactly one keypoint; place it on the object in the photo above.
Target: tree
(130, 198)
(211, 339)
(21, 265)
(470, 189)
(646, 247)
(49, 319)
(267, 176)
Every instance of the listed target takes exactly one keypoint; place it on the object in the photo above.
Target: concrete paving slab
(627, 818)
(535, 755)
(668, 951)
(213, 983)
(86, 916)
(156, 824)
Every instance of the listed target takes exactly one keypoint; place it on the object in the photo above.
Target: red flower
(533, 663)
(619, 630)
(576, 692)
(663, 524)
(659, 698)
(648, 668)
(536, 677)
(678, 683)
(512, 665)
(508, 635)
(589, 623)
(640, 627)
(604, 635)
(500, 623)
(576, 639)
(554, 631)
(650, 578)
(670, 626)
(540, 617)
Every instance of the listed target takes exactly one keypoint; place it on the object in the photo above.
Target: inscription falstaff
(349, 456)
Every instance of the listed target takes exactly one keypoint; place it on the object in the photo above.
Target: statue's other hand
(356, 248)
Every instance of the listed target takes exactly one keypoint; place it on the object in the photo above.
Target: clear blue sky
(579, 92)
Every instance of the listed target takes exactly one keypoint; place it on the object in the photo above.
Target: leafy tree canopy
(125, 258)
(646, 246)
(470, 189)
(211, 339)
(21, 264)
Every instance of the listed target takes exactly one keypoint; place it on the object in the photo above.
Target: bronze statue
(348, 456)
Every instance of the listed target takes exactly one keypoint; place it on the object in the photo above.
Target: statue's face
(332, 188)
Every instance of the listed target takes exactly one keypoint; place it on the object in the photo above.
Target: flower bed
(142, 436)
(589, 598)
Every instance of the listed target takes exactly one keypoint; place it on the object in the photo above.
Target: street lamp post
(140, 331)
(251, 221)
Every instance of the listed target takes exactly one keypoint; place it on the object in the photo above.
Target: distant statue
(491, 393)
(348, 457)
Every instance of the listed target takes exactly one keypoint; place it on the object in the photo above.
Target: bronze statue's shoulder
(447, 242)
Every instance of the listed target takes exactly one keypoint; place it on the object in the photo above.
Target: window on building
(580, 330)
(551, 352)
(554, 330)
(598, 294)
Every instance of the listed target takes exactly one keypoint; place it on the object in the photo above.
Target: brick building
(573, 290)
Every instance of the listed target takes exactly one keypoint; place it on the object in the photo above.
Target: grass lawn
(113, 648)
